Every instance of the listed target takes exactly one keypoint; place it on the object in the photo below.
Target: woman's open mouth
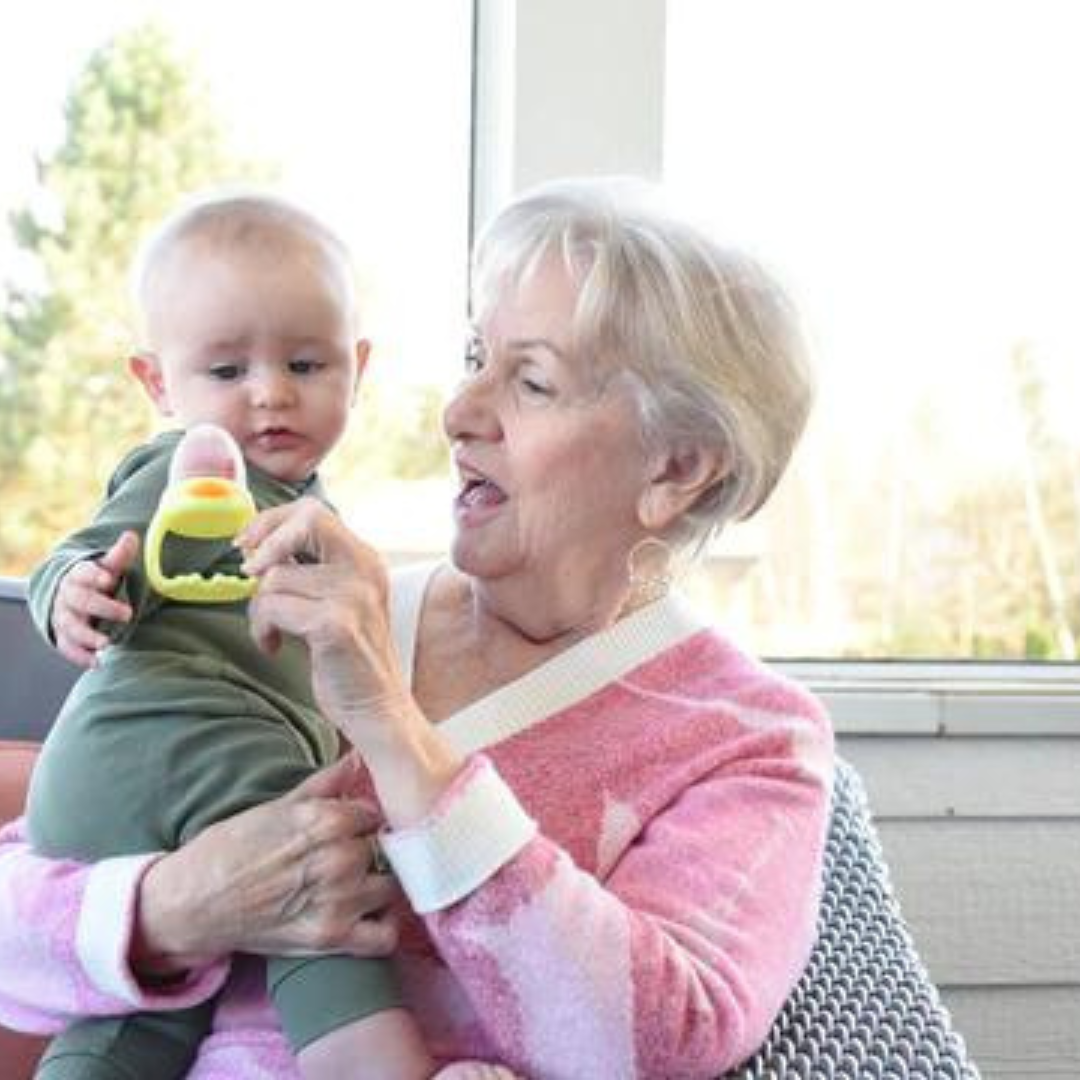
(477, 500)
(477, 492)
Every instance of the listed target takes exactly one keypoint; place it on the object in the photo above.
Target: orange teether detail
(209, 488)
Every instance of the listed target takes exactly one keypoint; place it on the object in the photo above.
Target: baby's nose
(272, 390)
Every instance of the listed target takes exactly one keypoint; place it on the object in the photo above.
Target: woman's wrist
(410, 763)
(165, 943)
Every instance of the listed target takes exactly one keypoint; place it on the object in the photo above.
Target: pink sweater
(623, 882)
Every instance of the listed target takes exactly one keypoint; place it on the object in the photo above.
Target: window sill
(945, 698)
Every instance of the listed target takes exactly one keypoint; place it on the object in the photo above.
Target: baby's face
(262, 344)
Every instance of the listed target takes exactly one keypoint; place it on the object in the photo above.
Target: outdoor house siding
(975, 788)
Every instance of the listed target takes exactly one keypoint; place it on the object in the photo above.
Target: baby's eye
(301, 366)
(225, 372)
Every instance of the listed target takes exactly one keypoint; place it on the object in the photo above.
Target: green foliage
(141, 134)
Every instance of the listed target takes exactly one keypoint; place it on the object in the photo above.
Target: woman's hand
(323, 585)
(292, 876)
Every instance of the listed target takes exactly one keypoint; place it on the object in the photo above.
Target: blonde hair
(705, 337)
(239, 221)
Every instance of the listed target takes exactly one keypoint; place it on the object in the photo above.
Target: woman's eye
(533, 386)
(225, 372)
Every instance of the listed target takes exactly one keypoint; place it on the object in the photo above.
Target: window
(909, 169)
(361, 111)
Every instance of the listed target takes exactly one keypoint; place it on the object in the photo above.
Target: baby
(251, 324)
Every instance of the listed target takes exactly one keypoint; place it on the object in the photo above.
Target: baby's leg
(125, 770)
(383, 1046)
(100, 789)
(158, 1045)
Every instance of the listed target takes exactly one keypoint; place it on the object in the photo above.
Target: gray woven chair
(865, 1008)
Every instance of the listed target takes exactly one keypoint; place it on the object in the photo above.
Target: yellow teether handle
(205, 508)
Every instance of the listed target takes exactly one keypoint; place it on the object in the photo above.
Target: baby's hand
(84, 595)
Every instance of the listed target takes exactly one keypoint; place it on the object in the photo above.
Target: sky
(913, 169)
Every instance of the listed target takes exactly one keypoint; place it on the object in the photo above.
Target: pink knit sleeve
(673, 962)
(65, 932)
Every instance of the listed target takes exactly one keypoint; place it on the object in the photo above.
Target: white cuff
(476, 829)
(105, 920)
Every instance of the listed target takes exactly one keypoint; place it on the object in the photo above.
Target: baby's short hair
(237, 221)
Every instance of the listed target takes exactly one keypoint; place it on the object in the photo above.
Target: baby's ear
(363, 354)
(147, 370)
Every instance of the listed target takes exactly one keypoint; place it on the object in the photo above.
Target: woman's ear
(147, 370)
(680, 476)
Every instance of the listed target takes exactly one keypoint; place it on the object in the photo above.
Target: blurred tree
(141, 133)
(981, 562)
(1037, 450)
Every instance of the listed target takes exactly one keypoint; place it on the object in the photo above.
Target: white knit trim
(443, 860)
(573, 675)
(408, 587)
(101, 939)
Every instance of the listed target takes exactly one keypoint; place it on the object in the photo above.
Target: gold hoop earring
(648, 568)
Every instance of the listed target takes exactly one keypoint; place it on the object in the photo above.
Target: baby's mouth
(275, 436)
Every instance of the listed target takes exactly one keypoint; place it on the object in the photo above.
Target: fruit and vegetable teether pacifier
(204, 507)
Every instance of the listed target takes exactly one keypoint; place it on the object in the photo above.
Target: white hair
(706, 338)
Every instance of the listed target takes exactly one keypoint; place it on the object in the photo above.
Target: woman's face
(551, 467)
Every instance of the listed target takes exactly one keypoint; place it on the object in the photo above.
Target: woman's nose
(472, 411)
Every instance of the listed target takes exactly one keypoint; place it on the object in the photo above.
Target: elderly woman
(607, 820)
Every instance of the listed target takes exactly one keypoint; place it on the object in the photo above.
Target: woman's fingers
(372, 936)
(304, 531)
(264, 523)
(325, 606)
(339, 781)
(287, 877)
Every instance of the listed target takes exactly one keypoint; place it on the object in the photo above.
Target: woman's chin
(478, 560)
